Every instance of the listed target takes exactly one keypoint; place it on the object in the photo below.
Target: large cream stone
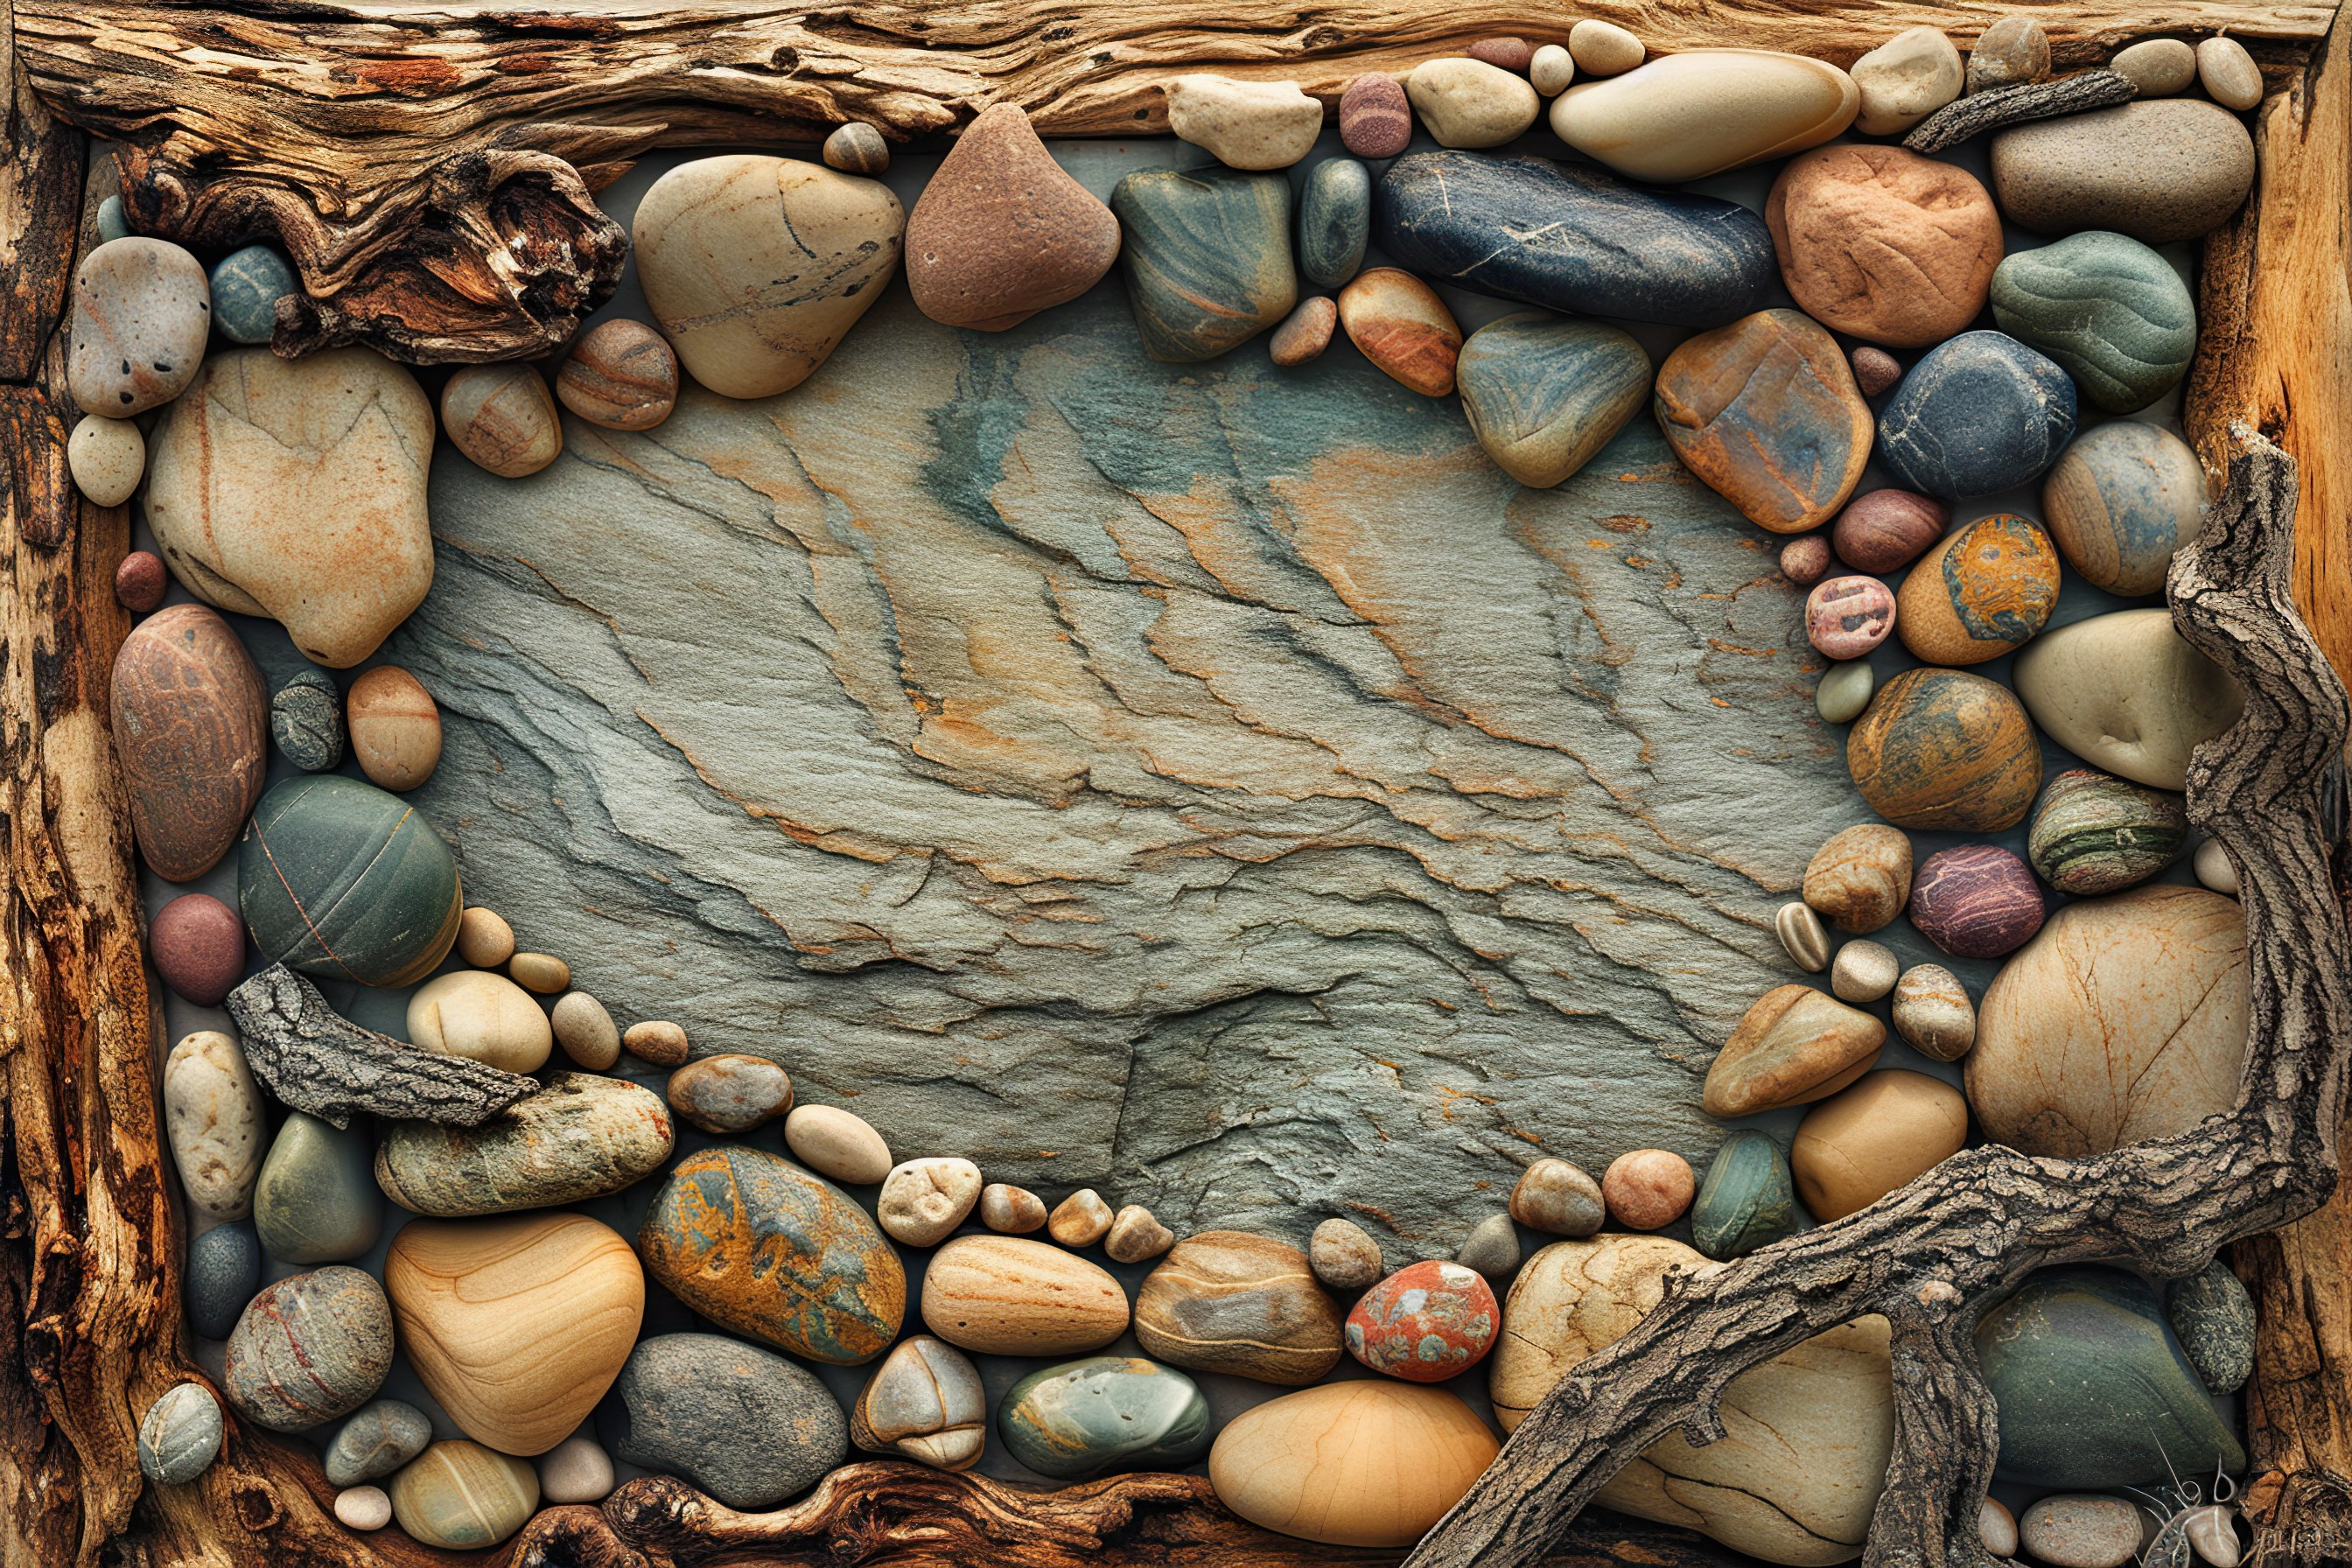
(2124, 1020)
(216, 1119)
(2125, 693)
(295, 489)
(1687, 116)
(1808, 1433)
(473, 1013)
(756, 267)
(1360, 1463)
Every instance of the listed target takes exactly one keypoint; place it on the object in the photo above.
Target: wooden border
(399, 151)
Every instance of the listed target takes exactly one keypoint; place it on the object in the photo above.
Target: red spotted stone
(1424, 1323)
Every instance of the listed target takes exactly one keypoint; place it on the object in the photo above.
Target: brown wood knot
(1937, 1296)
(256, 1505)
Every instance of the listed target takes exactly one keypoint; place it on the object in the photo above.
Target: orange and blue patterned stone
(1424, 1323)
(1767, 413)
(1980, 593)
(1945, 749)
(759, 1246)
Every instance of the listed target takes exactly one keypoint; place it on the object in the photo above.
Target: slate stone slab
(1221, 787)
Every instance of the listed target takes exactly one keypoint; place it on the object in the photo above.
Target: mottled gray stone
(745, 1425)
(2214, 1318)
(224, 1274)
(306, 720)
(1113, 727)
(180, 1435)
(378, 1438)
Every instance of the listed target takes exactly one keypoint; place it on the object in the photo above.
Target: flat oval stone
(2167, 169)
(1793, 1045)
(197, 945)
(620, 375)
(1765, 412)
(460, 1496)
(1844, 692)
(1976, 901)
(502, 417)
(577, 1469)
(2125, 693)
(1884, 244)
(583, 1136)
(246, 286)
(743, 1424)
(1424, 1323)
(1603, 49)
(1648, 1189)
(1997, 1528)
(316, 1201)
(311, 1348)
(306, 720)
(1887, 530)
(2093, 1389)
(1335, 221)
(1933, 1014)
(224, 1274)
(1544, 394)
(1207, 257)
(107, 458)
(1002, 1295)
(2097, 834)
(180, 1435)
(1363, 1463)
(1106, 1413)
(2214, 1319)
(1747, 1200)
(1906, 80)
(923, 1201)
(856, 148)
(757, 268)
(2229, 73)
(2158, 67)
(926, 1402)
(362, 1509)
(1845, 617)
(485, 1017)
(837, 1143)
(395, 728)
(2112, 313)
(1685, 116)
(2081, 1531)
(1491, 1250)
(1343, 1255)
(377, 1439)
(1806, 559)
(1981, 592)
(1978, 413)
(1305, 332)
(190, 727)
(761, 1246)
(1002, 232)
(1860, 879)
(2121, 500)
(340, 879)
(214, 1116)
(1244, 124)
(1465, 102)
(1375, 117)
(584, 1028)
(724, 1095)
(1555, 1198)
(1573, 239)
(1228, 1301)
(1944, 749)
(2124, 1020)
(1399, 323)
(1873, 1137)
(142, 312)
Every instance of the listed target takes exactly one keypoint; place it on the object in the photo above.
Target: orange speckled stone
(1980, 593)
(1402, 326)
(1945, 749)
(1765, 412)
(1425, 1323)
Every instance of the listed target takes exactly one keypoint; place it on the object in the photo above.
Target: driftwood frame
(432, 174)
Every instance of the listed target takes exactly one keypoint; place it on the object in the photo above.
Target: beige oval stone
(395, 728)
(502, 417)
(1689, 115)
(1229, 1301)
(2126, 694)
(1904, 80)
(474, 1013)
(107, 458)
(1014, 1211)
(1080, 1220)
(1933, 1013)
(484, 938)
(1464, 102)
(1874, 1136)
(2229, 73)
(2124, 1019)
(540, 972)
(2158, 67)
(584, 1029)
(214, 1116)
(1603, 49)
(1001, 1295)
(2159, 170)
(1795, 1044)
(1362, 1463)
(1861, 877)
(923, 1201)
(837, 1143)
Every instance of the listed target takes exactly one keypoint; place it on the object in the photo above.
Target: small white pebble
(1998, 1527)
(106, 456)
(1551, 69)
(1603, 49)
(2211, 864)
(575, 1470)
(363, 1508)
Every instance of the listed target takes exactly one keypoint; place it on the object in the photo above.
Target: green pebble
(1206, 256)
(1747, 1199)
(1544, 394)
(1845, 691)
(1084, 1417)
(2093, 833)
(2111, 311)
(317, 1201)
(1335, 221)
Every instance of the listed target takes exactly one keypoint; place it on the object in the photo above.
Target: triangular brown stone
(1002, 232)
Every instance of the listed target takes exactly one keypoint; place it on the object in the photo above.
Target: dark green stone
(317, 1201)
(2215, 1319)
(1747, 1200)
(2093, 833)
(2094, 1391)
(2111, 311)
(1106, 1411)
(1335, 221)
(340, 879)
(1206, 256)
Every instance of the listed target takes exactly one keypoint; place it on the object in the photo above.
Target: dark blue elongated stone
(1978, 413)
(1573, 238)
(1335, 221)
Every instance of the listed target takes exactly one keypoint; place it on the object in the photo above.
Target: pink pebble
(1375, 120)
(139, 581)
(199, 946)
(1648, 1188)
(1806, 559)
(1511, 54)
(1845, 617)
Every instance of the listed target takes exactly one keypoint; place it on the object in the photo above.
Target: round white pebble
(106, 456)
(575, 1470)
(2211, 864)
(2229, 73)
(1551, 69)
(1603, 49)
(363, 1508)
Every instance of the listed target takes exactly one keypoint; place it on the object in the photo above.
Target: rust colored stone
(140, 582)
(622, 375)
(191, 720)
(1305, 332)
(1875, 370)
(1375, 119)
(1511, 54)
(1767, 413)
(1885, 531)
(1002, 232)
(1402, 326)
(1884, 244)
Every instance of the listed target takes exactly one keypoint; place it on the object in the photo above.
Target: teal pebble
(1544, 394)
(1844, 692)
(247, 287)
(2093, 833)
(1206, 257)
(112, 225)
(317, 1201)
(2215, 1319)
(1084, 1417)
(2111, 311)
(1335, 221)
(1747, 1199)
(180, 1435)
(224, 1274)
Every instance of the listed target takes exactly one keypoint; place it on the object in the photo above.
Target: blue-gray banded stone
(743, 1424)
(1574, 238)
(306, 720)
(2112, 312)
(2214, 1319)
(180, 1435)
(583, 1136)
(317, 1200)
(2092, 1388)
(1747, 1200)
(1206, 257)
(311, 1348)
(1978, 413)
(224, 1273)
(1106, 1411)
(2121, 500)
(1543, 394)
(246, 286)
(379, 1438)
(1335, 221)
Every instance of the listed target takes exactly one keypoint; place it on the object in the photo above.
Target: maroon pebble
(1806, 559)
(1977, 900)
(1305, 332)
(1845, 617)
(1875, 370)
(1511, 54)
(199, 946)
(1375, 120)
(1885, 531)
(139, 581)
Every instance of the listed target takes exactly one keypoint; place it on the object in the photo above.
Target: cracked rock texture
(1221, 788)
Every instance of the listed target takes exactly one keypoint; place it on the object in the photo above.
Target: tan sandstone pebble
(2013, 49)
(1550, 70)
(1863, 972)
(1860, 878)
(2231, 76)
(503, 418)
(2214, 869)
(540, 972)
(1465, 102)
(1793, 1045)
(837, 1143)
(1875, 370)
(1869, 1139)
(107, 458)
(729, 1094)
(1807, 559)
(1883, 244)
(486, 1017)
(1648, 1188)
(585, 1030)
(1244, 124)
(484, 938)
(622, 374)
(1081, 1219)
(655, 1041)
(1002, 1295)
(1010, 1210)
(575, 1470)
(1801, 936)
(1136, 1234)
(395, 728)
(1401, 326)
(362, 1507)
(1305, 332)
(1933, 1013)
(1507, 54)
(856, 148)
(1344, 1255)
(1001, 231)
(2159, 67)
(1366, 1463)
(923, 1201)
(1906, 80)
(1699, 113)
(1229, 1301)
(1603, 49)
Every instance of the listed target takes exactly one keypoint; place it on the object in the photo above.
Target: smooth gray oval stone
(379, 1438)
(1492, 1249)
(2112, 313)
(224, 1273)
(317, 1200)
(1978, 413)
(311, 1348)
(1105, 1412)
(743, 1424)
(1335, 221)
(306, 720)
(180, 1435)
(2215, 1319)
(583, 1136)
